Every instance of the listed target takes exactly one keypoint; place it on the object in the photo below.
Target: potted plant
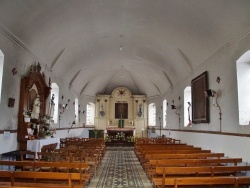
(47, 134)
(45, 119)
(27, 116)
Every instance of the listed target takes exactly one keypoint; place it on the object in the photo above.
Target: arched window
(151, 114)
(243, 82)
(1, 71)
(164, 114)
(187, 106)
(90, 115)
(76, 112)
(55, 94)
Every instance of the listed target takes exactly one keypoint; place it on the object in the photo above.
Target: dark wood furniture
(99, 134)
(32, 86)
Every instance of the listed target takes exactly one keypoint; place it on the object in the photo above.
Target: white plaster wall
(223, 65)
(8, 143)
(232, 146)
(81, 132)
(17, 57)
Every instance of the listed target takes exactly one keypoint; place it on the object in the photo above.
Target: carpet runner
(120, 169)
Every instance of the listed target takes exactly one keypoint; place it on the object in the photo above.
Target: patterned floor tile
(120, 169)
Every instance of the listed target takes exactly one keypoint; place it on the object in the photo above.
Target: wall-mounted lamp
(214, 94)
(210, 93)
(73, 123)
(173, 107)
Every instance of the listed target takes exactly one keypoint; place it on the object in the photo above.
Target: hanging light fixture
(122, 73)
(121, 44)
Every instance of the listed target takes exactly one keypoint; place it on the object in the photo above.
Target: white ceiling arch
(162, 40)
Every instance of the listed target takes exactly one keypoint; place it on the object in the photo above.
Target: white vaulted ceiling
(162, 41)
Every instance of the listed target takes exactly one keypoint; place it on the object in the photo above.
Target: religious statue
(140, 108)
(189, 114)
(36, 108)
(52, 106)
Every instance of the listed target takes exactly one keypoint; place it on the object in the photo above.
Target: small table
(36, 145)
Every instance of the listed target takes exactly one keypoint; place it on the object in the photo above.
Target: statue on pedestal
(36, 108)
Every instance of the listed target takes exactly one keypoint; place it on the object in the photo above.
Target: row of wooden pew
(73, 174)
(72, 165)
(179, 164)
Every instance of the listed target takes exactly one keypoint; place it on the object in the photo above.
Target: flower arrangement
(48, 133)
(28, 114)
(45, 119)
(107, 138)
(119, 136)
(131, 139)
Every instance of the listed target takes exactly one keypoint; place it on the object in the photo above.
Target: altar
(128, 131)
(37, 144)
(120, 136)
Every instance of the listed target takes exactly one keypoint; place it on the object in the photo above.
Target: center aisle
(120, 168)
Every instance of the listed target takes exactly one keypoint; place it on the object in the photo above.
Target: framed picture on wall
(121, 110)
(200, 103)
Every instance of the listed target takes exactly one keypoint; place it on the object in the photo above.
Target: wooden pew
(141, 157)
(156, 140)
(68, 166)
(184, 156)
(186, 162)
(38, 164)
(192, 181)
(200, 170)
(162, 150)
(42, 179)
(138, 148)
(150, 171)
(145, 162)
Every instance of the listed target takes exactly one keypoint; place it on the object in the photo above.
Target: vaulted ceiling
(145, 45)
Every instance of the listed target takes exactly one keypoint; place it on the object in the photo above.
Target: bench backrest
(174, 151)
(38, 164)
(181, 162)
(236, 181)
(210, 170)
(183, 156)
(69, 177)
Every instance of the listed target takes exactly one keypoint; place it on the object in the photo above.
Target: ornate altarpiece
(33, 85)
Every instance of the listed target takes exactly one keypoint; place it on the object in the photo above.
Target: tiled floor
(120, 169)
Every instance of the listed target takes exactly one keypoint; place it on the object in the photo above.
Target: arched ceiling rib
(162, 41)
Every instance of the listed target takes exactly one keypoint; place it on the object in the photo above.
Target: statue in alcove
(36, 108)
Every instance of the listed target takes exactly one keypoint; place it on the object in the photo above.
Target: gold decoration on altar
(121, 92)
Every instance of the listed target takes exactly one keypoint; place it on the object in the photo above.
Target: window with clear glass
(54, 102)
(187, 106)
(164, 112)
(76, 112)
(151, 114)
(1, 71)
(90, 115)
(243, 82)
